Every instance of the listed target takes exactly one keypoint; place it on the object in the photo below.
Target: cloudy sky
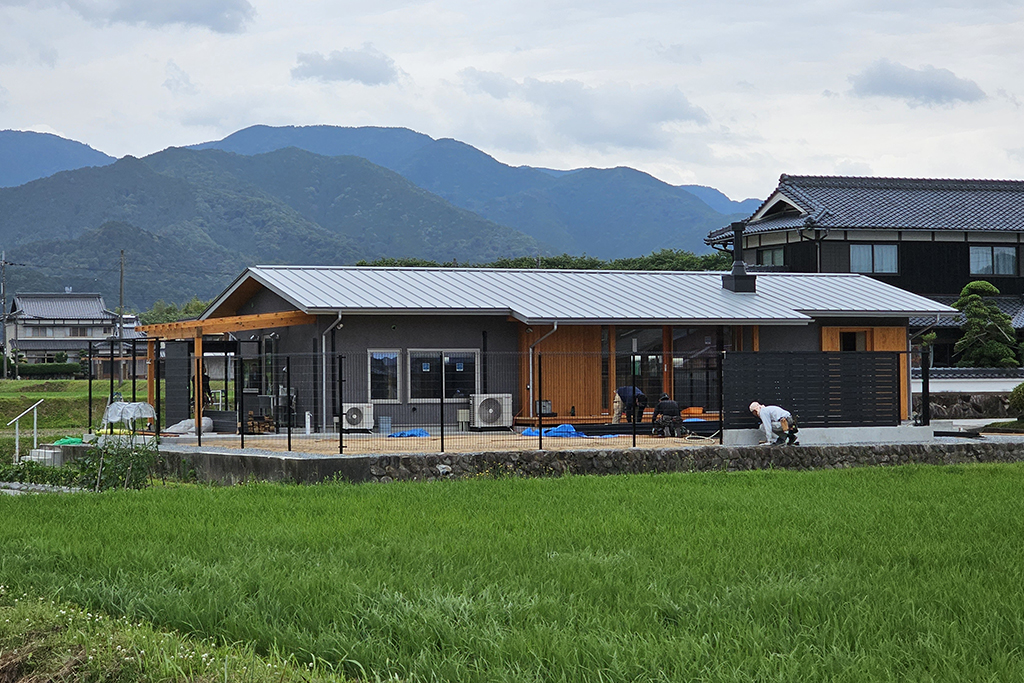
(728, 94)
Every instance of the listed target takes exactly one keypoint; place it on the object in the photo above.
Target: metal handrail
(17, 429)
(31, 407)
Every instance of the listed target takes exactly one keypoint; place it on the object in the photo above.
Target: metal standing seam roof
(583, 296)
(48, 306)
(892, 204)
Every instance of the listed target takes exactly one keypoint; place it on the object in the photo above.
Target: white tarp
(121, 411)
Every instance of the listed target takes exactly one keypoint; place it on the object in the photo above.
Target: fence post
(632, 409)
(288, 397)
(540, 418)
(926, 399)
(199, 394)
(341, 406)
(721, 398)
(134, 369)
(156, 398)
(442, 401)
(239, 397)
(90, 386)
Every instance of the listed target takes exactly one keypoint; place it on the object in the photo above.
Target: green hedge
(48, 369)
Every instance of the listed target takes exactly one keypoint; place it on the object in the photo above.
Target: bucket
(384, 424)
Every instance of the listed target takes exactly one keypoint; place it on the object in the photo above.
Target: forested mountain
(27, 156)
(225, 211)
(190, 219)
(608, 213)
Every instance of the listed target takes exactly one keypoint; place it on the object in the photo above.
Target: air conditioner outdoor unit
(491, 410)
(358, 416)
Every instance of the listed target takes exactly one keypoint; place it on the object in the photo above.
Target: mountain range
(190, 219)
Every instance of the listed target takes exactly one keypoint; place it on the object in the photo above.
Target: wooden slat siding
(757, 338)
(878, 339)
(571, 368)
(895, 339)
(821, 389)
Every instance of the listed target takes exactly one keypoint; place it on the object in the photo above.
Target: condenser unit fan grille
(353, 416)
(489, 411)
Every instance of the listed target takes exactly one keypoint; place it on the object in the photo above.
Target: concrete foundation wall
(230, 467)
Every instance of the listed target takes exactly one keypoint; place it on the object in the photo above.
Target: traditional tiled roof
(1012, 306)
(854, 203)
(70, 306)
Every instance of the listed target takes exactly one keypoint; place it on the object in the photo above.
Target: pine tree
(988, 340)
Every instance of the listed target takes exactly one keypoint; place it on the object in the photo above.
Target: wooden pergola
(195, 329)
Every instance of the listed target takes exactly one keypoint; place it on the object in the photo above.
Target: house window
(460, 373)
(384, 376)
(770, 257)
(78, 332)
(40, 331)
(993, 260)
(873, 258)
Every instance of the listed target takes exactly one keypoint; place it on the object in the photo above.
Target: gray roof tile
(49, 306)
(893, 204)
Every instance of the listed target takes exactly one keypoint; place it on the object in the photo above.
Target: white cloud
(610, 115)
(496, 85)
(678, 53)
(926, 86)
(222, 16)
(178, 81)
(367, 65)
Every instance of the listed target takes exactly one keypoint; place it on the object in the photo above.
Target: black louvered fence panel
(821, 389)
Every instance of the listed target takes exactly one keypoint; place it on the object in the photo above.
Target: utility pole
(3, 313)
(120, 322)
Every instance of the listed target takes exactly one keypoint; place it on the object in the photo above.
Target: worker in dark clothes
(667, 418)
(628, 400)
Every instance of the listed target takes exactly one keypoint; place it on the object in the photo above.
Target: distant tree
(988, 340)
(666, 259)
(162, 312)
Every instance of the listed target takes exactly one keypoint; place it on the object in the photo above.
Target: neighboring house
(930, 237)
(596, 329)
(42, 325)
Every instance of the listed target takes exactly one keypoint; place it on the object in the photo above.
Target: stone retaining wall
(230, 468)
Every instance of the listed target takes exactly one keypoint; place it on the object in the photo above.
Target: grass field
(909, 573)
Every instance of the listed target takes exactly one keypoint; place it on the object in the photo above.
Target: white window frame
(408, 373)
(398, 369)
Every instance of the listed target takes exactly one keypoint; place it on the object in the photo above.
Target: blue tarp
(565, 431)
(410, 432)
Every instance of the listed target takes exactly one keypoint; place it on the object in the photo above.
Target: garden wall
(230, 467)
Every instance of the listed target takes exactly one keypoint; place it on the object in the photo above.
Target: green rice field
(874, 574)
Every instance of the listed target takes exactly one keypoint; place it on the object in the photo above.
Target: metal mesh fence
(451, 401)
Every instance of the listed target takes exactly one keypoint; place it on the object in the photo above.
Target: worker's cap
(664, 397)
(755, 406)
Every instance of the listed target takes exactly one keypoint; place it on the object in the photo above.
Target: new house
(406, 342)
